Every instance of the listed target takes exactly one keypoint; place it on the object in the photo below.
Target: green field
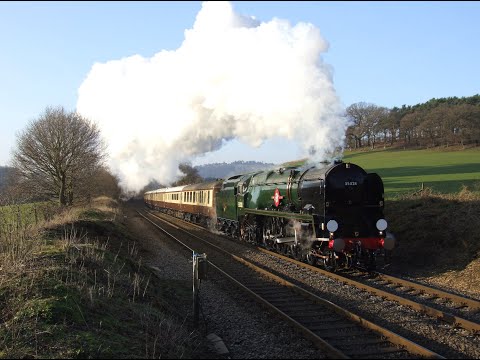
(26, 214)
(404, 171)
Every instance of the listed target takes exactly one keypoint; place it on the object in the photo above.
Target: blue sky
(386, 53)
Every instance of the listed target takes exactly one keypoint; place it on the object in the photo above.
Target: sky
(83, 55)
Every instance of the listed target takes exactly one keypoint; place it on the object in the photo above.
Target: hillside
(224, 170)
(444, 170)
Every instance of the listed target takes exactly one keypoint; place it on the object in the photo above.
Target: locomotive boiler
(330, 214)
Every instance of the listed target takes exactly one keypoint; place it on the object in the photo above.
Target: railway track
(407, 293)
(341, 333)
(455, 310)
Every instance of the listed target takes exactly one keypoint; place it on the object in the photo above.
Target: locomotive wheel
(244, 225)
(330, 263)
(269, 244)
(372, 261)
(311, 259)
(288, 250)
(249, 230)
(297, 253)
(285, 249)
(259, 234)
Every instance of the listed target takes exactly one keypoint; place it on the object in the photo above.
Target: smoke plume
(232, 77)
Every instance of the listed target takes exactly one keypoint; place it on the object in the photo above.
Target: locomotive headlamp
(332, 226)
(382, 224)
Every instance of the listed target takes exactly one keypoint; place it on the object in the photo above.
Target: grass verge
(77, 289)
(436, 232)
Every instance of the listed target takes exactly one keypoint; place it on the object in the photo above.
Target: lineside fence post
(199, 273)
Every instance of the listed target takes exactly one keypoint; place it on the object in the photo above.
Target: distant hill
(224, 170)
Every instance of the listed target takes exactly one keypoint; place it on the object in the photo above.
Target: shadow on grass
(393, 188)
(464, 168)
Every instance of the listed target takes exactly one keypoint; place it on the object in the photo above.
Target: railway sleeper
(362, 341)
(313, 323)
(342, 326)
(304, 317)
(334, 334)
(379, 354)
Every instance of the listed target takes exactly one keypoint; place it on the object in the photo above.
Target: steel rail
(438, 314)
(441, 315)
(471, 303)
(391, 336)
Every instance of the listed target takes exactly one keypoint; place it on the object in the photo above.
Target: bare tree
(104, 183)
(366, 119)
(58, 153)
(468, 124)
(357, 114)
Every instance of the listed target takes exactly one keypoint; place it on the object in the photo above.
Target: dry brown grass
(75, 287)
(438, 237)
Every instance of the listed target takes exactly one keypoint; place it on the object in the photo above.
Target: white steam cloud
(232, 77)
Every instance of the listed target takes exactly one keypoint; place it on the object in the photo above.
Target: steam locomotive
(329, 215)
